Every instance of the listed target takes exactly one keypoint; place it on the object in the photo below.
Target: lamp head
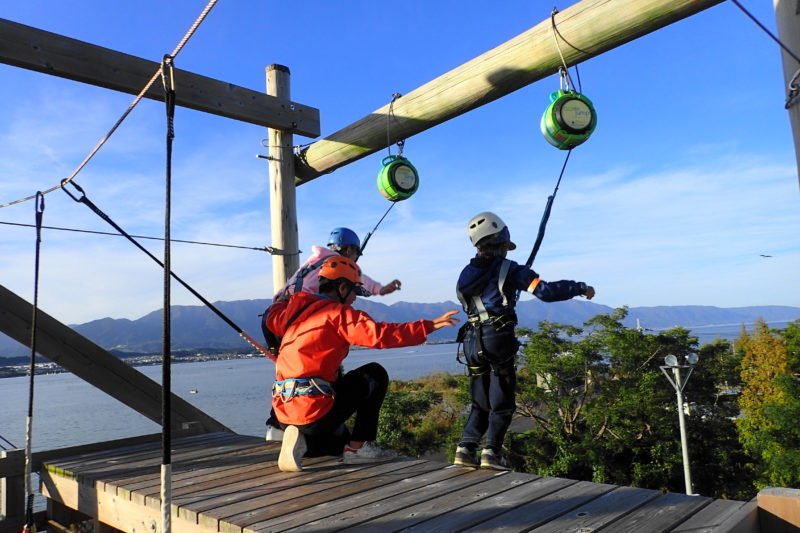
(692, 358)
(671, 360)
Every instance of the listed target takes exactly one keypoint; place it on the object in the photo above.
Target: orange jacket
(317, 342)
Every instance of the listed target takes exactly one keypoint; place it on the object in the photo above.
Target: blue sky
(689, 177)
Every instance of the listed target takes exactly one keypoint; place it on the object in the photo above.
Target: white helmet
(485, 224)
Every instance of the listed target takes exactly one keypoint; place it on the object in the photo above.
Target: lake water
(68, 411)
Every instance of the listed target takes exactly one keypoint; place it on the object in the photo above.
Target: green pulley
(569, 119)
(398, 179)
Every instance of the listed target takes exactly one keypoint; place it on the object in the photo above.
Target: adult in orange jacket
(310, 398)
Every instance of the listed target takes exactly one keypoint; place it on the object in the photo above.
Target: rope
(565, 71)
(29, 421)
(366, 239)
(793, 88)
(127, 112)
(545, 218)
(168, 80)
(268, 249)
(84, 200)
(389, 117)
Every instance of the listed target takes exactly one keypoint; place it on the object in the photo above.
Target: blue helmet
(344, 237)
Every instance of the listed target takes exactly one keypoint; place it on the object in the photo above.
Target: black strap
(29, 429)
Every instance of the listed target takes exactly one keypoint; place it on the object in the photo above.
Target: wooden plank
(413, 477)
(42, 51)
(744, 520)
(662, 514)
(424, 487)
(358, 482)
(151, 462)
(448, 503)
(12, 462)
(710, 517)
(591, 26)
(107, 508)
(293, 493)
(493, 506)
(131, 455)
(90, 362)
(600, 512)
(215, 465)
(191, 506)
(531, 514)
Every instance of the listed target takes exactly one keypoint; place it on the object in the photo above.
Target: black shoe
(494, 460)
(466, 457)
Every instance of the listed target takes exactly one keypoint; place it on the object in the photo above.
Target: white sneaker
(368, 453)
(292, 450)
(274, 434)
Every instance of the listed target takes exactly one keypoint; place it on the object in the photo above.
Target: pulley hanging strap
(29, 525)
(167, 79)
(84, 200)
(545, 218)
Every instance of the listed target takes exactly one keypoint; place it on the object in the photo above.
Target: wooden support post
(12, 488)
(282, 194)
(77, 354)
(787, 16)
(779, 509)
(591, 27)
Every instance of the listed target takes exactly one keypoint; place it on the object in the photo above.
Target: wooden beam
(42, 51)
(77, 354)
(591, 27)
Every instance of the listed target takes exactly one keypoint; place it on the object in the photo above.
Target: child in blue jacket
(487, 290)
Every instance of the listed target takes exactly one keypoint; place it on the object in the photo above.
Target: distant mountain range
(197, 327)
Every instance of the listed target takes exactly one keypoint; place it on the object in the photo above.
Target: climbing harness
(84, 200)
(287, 389)
(29, 526)
(482, 318)
(136, 100)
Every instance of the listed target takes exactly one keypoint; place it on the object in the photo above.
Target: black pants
(492, 384)
(360, 391)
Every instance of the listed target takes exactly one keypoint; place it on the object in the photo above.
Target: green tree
(770, 403)
(600, 409)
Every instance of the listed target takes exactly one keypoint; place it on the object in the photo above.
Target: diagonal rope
(127, 112)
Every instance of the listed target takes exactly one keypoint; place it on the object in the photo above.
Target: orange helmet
(340, 268)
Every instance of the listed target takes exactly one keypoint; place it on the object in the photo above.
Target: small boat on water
(192, 391)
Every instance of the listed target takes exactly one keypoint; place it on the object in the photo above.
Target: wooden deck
(230, 483)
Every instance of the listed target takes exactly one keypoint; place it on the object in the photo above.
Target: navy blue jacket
(481, 275)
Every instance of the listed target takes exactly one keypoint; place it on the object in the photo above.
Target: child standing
(487, 290)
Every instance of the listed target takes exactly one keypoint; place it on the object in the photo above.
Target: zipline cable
(29, 526)
(84, 200)
(269, 249)
(127, 112)
(545, 218)
(168, 81)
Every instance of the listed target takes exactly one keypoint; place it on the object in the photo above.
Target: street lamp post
(678, 383)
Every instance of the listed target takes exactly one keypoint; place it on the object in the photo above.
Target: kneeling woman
(311, 398)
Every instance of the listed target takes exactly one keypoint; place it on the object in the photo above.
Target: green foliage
(770, 403)
(602, 410)
(421, 417)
